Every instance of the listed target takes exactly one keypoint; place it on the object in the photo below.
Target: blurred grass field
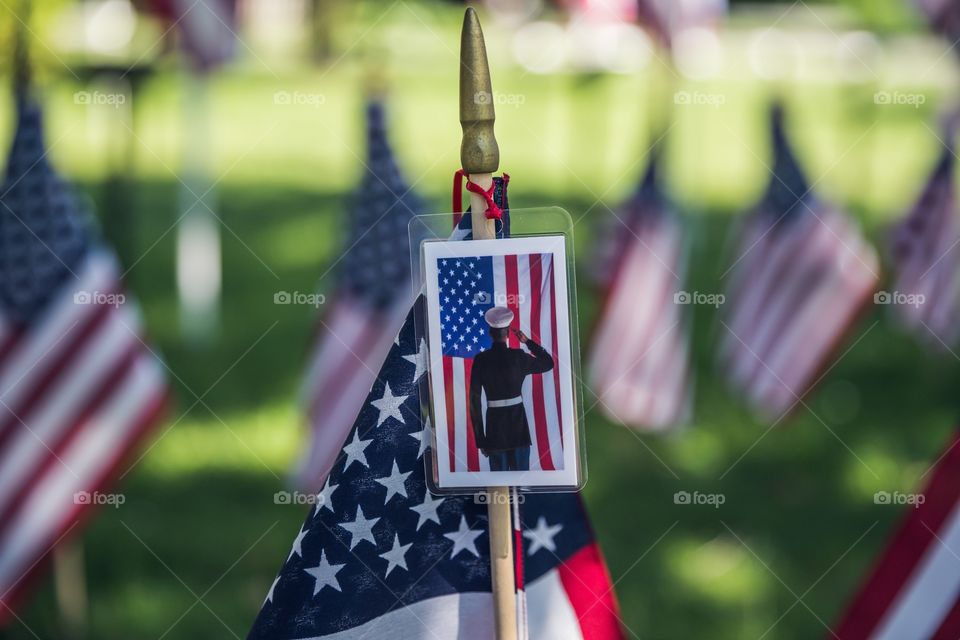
(199, 539)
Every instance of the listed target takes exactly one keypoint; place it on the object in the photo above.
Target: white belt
(509, 402)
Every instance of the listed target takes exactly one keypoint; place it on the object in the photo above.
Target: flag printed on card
(913, 590)
(800, 275)
(498, 334)
(79, 386)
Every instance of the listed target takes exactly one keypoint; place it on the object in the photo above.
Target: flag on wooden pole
(79, 386)
(367, 308)
(639, 362)
(801, 273)
(380, 556)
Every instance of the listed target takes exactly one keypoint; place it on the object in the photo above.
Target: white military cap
(498, 317)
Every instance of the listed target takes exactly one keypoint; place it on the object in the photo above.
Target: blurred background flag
(367, 307)
(926, 256)
(639, 361)
(914, 589)
(801, 272)
(79, 387)
(379, 556)
(207, 28)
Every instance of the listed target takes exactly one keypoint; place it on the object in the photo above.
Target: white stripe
(523, 293)
(24, 539)
(931, 591)
(23, 367)
(546, 336)
(460, 415)
(468, 616)
(56, 414)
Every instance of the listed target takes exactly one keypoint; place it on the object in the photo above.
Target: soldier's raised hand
(521, 336)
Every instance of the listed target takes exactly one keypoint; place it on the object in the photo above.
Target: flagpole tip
(479, 152)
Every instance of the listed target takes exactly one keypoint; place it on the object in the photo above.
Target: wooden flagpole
(480, 158)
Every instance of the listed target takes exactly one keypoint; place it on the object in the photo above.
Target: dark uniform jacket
(499, 371)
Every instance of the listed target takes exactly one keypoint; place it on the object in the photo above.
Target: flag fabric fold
(801, 274)
(639, 363)
(380, 556)
(79, 387)
(913, 590)
(367, 308)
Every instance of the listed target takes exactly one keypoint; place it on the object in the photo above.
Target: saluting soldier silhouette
(503, 435)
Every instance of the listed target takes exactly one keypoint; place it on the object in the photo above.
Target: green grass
(799, 517)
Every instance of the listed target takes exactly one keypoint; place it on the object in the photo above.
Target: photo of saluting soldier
(503, 434)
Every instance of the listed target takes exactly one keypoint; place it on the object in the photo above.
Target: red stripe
(448, 404)
(513, 286)
(518, 558)
(555, 352)
(539, 408)
(81, 512)
(905, 550)
(52, 372)
(950, 627)
(56, 447)
(587, 584)
(473, 454)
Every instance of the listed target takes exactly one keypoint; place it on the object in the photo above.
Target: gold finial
(478, 150)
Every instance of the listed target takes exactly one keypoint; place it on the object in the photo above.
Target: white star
(269, 597)
(354, 451)
(394, 483)
(395, 557)
(360, 529)
(427, 510)
(419, 360)
(325, 497)
(464, 539)
(388, 405)
(424, 437)
(541, 537)
(297, 542)
(325, 575)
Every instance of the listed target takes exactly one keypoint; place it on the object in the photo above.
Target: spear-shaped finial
(478, 150)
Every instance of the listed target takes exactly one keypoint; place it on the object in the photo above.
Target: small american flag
(379, 556)
(801, 274)
(468, 287)
(366, 310)
(78, 385)
(926, 256)
(914, 589)
(639, 363)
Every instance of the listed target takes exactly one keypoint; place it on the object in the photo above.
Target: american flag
(639, 362)
(914, 589)
(926, 257)
(207, 28)
(368, 307)
(801, 275)
(468, 287)
(379, 556)
(79, 388)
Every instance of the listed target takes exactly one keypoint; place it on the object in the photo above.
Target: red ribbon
(493, 212)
